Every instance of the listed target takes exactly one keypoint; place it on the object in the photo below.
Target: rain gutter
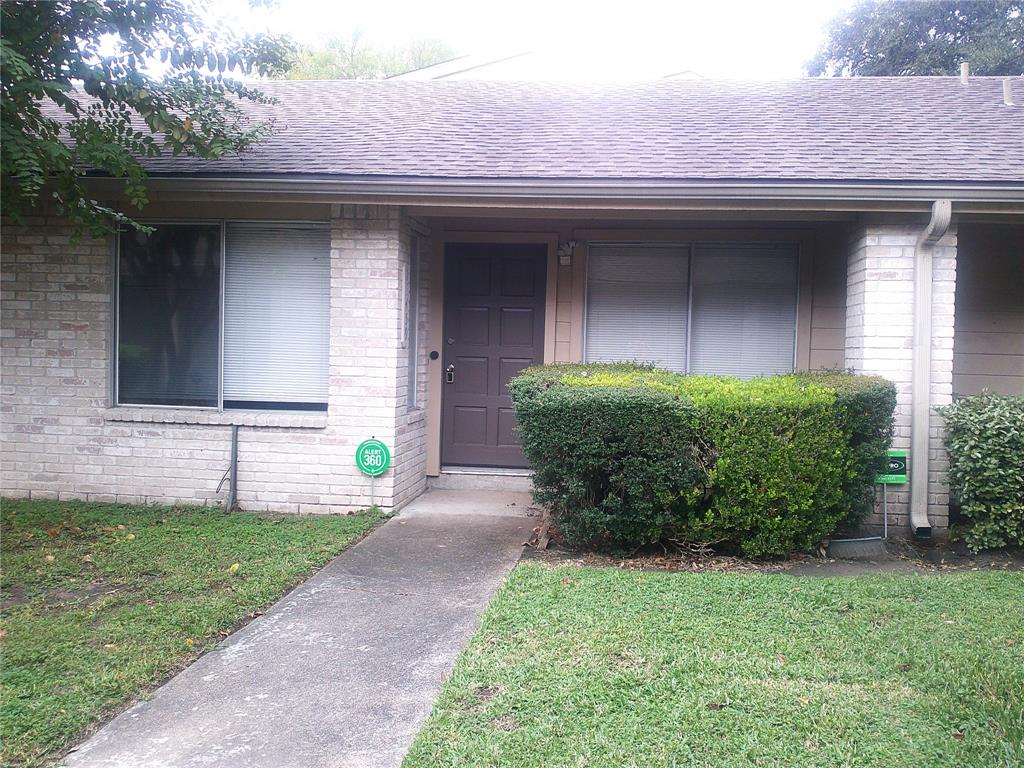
(421, 190)
(936, 229)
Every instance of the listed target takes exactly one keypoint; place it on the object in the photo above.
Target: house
(397, 250)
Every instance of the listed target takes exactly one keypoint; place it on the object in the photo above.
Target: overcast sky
(626, 39)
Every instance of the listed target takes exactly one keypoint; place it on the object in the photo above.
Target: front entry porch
(707, 296)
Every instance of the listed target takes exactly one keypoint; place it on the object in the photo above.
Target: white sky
(599, 40)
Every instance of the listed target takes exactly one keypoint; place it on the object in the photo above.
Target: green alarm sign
(895, 470)
(373, 457)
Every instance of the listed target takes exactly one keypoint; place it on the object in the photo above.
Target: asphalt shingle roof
(830, 129)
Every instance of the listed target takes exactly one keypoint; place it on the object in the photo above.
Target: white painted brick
(879, 340)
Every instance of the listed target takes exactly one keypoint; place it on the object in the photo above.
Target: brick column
(880, 341)
(366, 269)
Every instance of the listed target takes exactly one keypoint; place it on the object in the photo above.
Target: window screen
(743, 318)
(169, 316)
(276, 316)
(636, 304)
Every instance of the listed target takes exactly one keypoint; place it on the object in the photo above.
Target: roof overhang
(996, 198)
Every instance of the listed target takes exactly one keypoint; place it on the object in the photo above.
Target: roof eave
(585, 193)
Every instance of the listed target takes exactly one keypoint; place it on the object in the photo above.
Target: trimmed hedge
(985, 441)
(866, 405)
(626, 455)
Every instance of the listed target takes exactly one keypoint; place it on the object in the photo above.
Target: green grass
(600, 667)
(104, 601)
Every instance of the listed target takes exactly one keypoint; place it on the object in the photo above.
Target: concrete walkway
(343, 670)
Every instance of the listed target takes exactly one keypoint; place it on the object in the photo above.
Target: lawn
(101, 602)
(602, 667)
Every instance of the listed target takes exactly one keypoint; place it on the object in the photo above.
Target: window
(636, 304)
(270, 283)
(412, 311)
(169, 316)
(716, 309)
(277, 284)
(743, 315)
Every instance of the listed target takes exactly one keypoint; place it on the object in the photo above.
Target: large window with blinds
(224, 315)
(726, 309)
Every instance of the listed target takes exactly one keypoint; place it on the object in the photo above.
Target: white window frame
(689, 246)
(116, 301)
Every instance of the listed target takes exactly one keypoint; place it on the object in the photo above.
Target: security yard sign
(373, 457)
(896, 470)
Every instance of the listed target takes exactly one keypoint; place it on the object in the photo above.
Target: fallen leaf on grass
(958, 735)
(189, 642)
(50, 558)
(3, 633)
(130, 537)
(714, 706)
(567, 581)
(51, 532)
(233, 568)
(120, 526)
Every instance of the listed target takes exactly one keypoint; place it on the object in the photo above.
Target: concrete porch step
(482, 479)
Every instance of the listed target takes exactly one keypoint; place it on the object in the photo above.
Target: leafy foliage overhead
(927, 37)
(101, 84)
(354, 59)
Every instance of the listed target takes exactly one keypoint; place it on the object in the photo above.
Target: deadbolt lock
(449, 374)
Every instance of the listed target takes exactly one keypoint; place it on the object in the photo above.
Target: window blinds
(743, 318)
(636, 304)
(276, 314)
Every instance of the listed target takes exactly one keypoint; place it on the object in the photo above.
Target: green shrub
(866, 405)
(626, 455)
(611, 463)
(985, 440)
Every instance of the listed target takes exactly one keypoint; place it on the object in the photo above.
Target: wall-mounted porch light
(565, 251)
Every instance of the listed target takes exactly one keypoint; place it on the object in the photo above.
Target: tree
(99, 85)
(354, 60)
(930, 37)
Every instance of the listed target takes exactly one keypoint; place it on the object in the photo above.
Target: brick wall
(880, 338)
(61, 439)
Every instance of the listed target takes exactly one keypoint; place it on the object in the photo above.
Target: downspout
(920, 418)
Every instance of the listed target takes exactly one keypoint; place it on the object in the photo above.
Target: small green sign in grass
(896, 470)
(373, 457)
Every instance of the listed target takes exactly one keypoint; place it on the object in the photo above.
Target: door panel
(493, 328)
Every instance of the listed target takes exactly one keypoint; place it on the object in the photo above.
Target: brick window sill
(292, 419)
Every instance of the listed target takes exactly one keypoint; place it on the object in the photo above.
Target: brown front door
(494, 295)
